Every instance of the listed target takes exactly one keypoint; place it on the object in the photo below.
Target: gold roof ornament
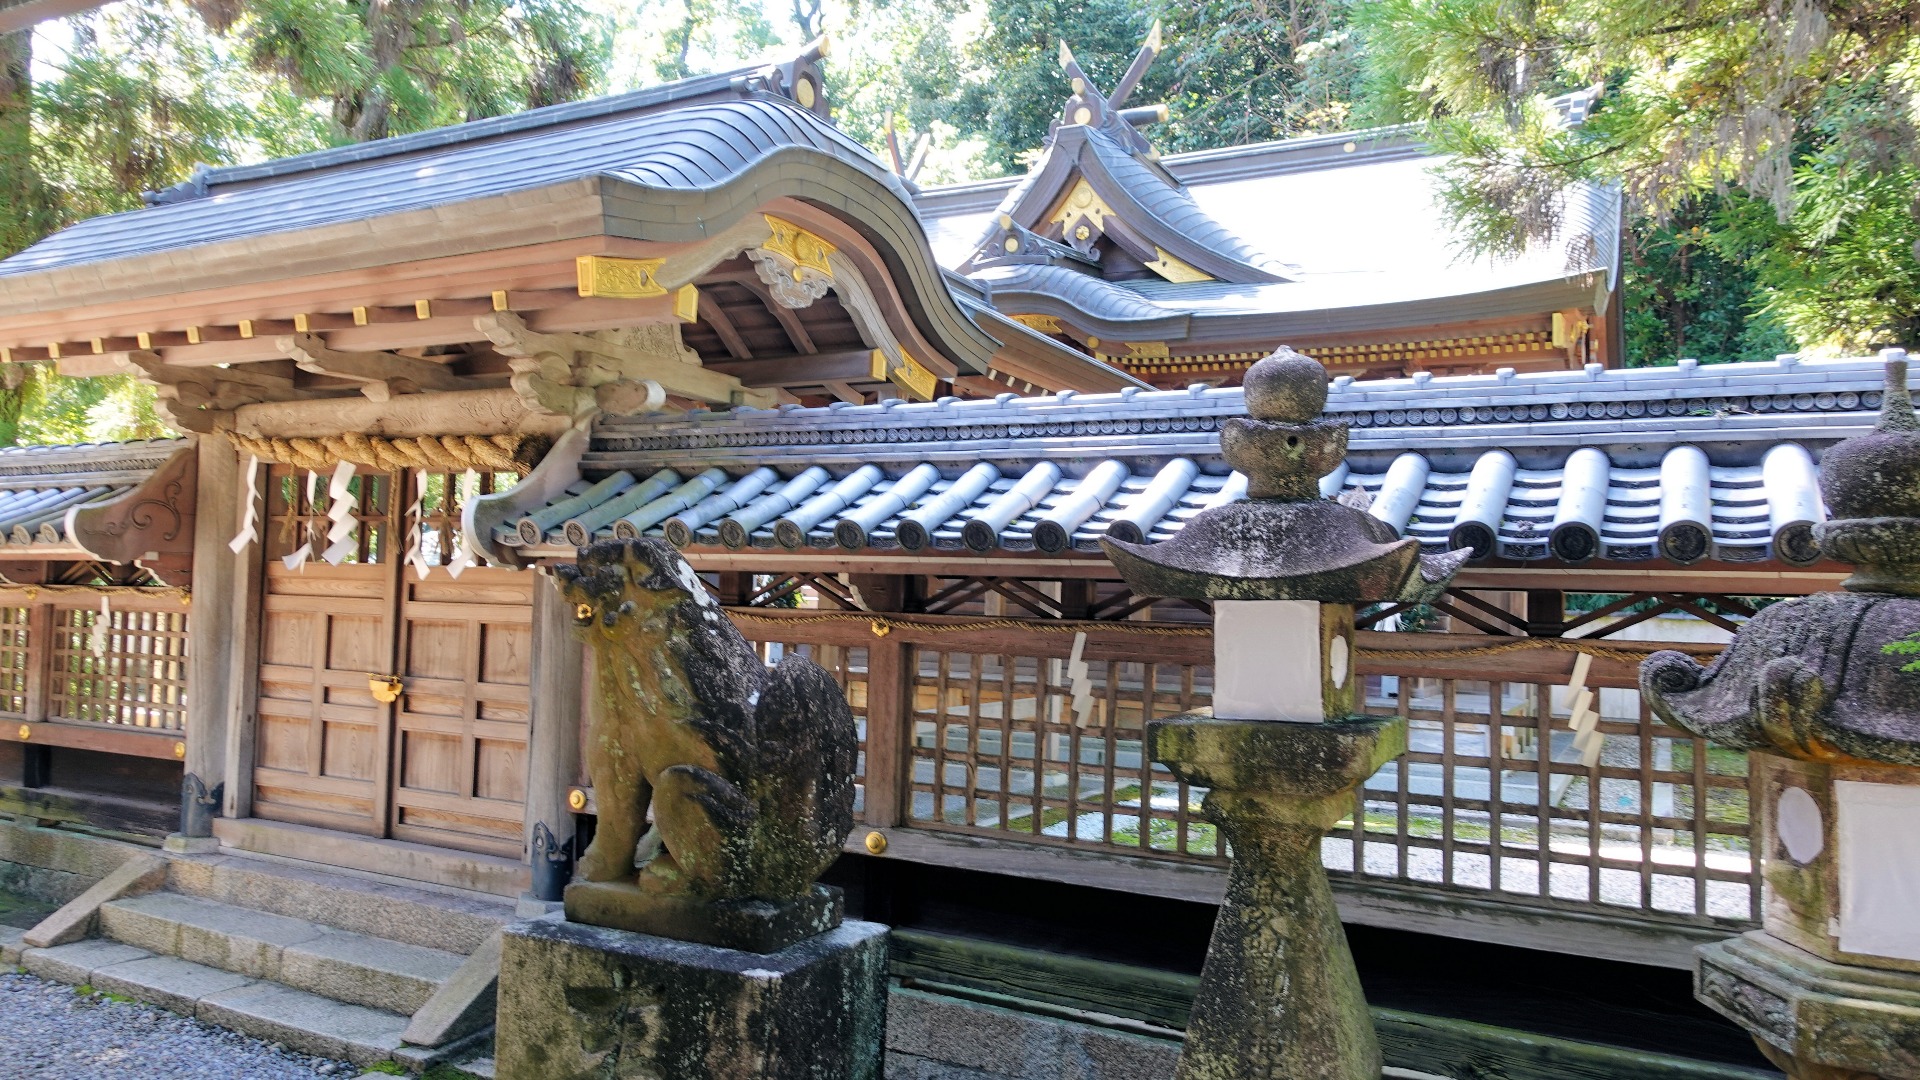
(798, 246)
(908, 374)
(619, 279)
(1174, 270)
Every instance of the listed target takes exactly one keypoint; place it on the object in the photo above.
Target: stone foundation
(579, 1000)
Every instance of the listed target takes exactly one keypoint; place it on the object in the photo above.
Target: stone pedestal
(1279, 997)
(1816, 1020)
(760, 926)
(589, 1001)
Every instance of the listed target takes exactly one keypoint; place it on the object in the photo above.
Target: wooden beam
(106, 738)
(796, 331)
(411, 334)
(213, 354)
(469, 412)
(579, 316)
(813, 369)
(533, 276)
(381, 369)
(715, 316)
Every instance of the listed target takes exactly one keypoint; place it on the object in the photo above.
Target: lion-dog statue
(749, 771)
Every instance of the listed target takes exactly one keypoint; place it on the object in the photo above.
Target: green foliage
(1907, 646)
(979, 81)
(1806, 115)
(1684, 293)
(725, 32)
(1253, 70)
(388, 69)
(1842, 271)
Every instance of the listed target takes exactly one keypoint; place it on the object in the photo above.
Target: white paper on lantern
(1879, 853)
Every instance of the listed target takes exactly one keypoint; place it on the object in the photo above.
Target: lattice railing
(126, 667)
(1006, 743)
(1500, 794)
(16, 659)
(1036, 735)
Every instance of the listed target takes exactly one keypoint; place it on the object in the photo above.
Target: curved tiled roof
(686, 151)
(1147, 199)
(1677, 464)
(41, 485)
(1046, 289)
(676, 176)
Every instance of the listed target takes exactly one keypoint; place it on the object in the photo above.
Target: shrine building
(313, 642)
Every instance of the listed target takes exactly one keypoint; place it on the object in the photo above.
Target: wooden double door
(445, 761)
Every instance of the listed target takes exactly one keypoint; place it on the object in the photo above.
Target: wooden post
(1077, 597)
(889, 675)
(238, 654)
(211, 643)
(559, 692)
(1546, 613)
(889, 684)
(39, 689)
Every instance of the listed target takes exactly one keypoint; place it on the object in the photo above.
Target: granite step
(264, 1009)
(433, 916)
(351, 968)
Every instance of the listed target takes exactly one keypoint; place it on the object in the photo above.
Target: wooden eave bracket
(381, 374)
(193, 397)
(150, 522)
(574, 375)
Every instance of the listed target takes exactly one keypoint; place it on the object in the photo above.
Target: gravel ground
(50, 1032)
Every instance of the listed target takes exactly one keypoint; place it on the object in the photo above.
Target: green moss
(390, 1068)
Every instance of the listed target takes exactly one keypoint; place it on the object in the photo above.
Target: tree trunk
(22, 204)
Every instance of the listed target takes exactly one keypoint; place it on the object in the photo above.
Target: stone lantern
(1830, 989)
(1283, 747)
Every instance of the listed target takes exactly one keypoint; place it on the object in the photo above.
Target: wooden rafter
(716, 318)
(788, 318)
(844, 391)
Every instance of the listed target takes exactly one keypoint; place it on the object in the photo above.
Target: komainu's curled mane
(749, 771)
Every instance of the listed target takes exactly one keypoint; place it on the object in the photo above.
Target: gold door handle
(385, 688)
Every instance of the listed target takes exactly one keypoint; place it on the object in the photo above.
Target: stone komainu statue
(749, 771)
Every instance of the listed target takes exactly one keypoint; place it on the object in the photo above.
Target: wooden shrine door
(444, 763)
(321, 737)
(461, 724)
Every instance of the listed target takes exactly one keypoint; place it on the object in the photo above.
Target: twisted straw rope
(444, 453)
(884, 625)
(32, 592)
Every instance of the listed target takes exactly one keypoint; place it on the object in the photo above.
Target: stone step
(340, 964)
(261, 1008)
(437, 917)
